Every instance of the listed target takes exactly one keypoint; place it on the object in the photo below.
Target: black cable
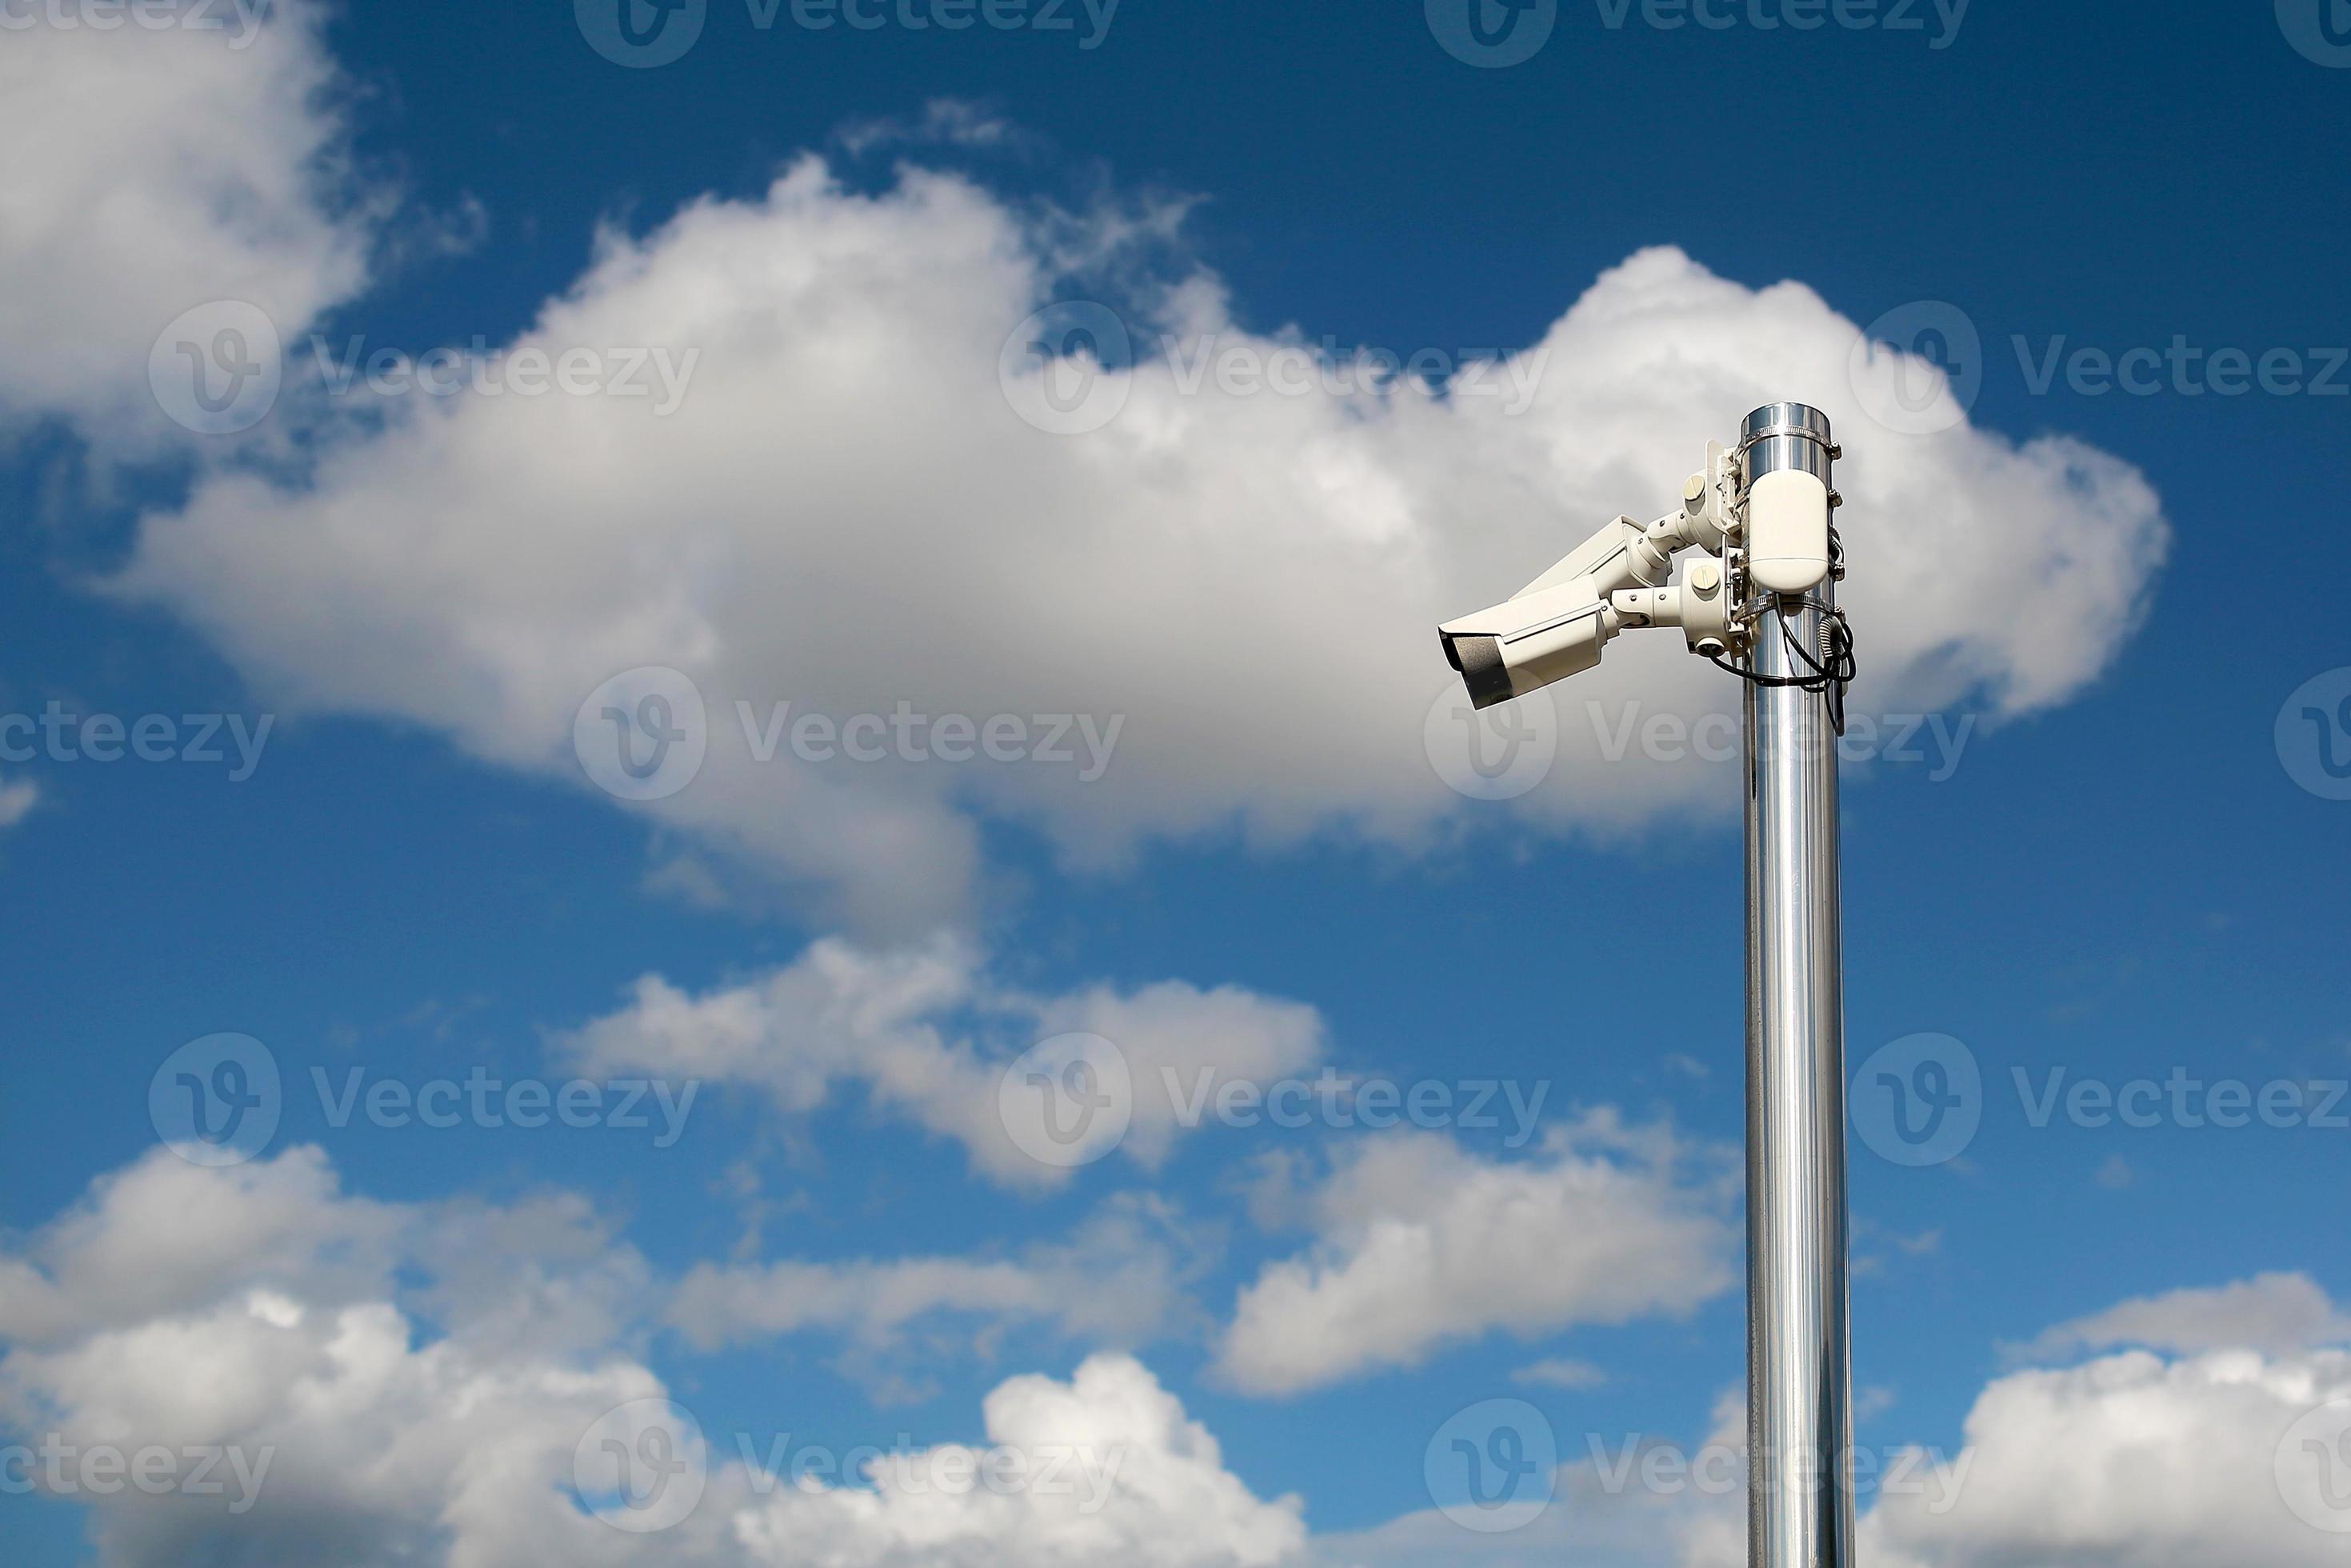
(1840, 667)
(1833, 671)
(1829, 680)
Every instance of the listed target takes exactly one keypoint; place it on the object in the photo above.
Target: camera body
(1759, 515)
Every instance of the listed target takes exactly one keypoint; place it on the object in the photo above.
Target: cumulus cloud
(2275, 1314)
(413, 1383)
(929, 1032)
(161, 168)
(1119, 1279)
(847, 515)
(2136, 1461)
(1175, 1505)
(163, 1237)
(1420, 1243)
(406, 1383)
(256, 1311)
(1602, 1514)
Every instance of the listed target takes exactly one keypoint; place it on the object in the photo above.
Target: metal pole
(1799, 1354)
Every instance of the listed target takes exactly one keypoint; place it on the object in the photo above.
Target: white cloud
(929, 1032)
(163, 1237)
(846, 514)
(1558, 1373)
(411, 1385)
(256, 1309)
(1586, 1527)
(2135, 1462)
(1175, 1505)
(1118, 1280)
(2276, 1313)
(1420, 1244)
(155, 170)
(945, 122)
(16, 800)
(1602, 1513)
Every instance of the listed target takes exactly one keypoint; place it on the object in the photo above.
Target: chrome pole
(1799, 1354)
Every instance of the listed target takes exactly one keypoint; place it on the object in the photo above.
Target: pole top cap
(1798, 420)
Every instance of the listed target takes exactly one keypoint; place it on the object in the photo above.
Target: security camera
(1559, 624)
(1525, 644)
(1759, 514)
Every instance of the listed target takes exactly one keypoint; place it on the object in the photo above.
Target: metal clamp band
(1755, 438)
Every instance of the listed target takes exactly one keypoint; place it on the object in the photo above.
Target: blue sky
(2128, 870)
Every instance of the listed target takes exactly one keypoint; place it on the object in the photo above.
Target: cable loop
(1834, 667)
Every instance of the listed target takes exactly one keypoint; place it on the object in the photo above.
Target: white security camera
(1559, 624)
(1764, 510)
(1522, 646)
